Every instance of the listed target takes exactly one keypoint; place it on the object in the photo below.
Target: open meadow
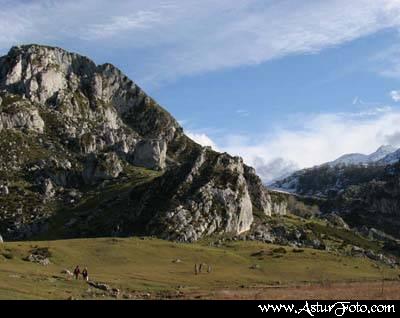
(147, 268)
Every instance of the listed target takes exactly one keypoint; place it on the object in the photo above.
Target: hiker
(85, 274)
(77, 271)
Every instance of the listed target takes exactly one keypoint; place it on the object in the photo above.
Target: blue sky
(284, 84)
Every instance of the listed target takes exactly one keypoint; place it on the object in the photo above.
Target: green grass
(95, 201)
(136, 264)
(346, 236)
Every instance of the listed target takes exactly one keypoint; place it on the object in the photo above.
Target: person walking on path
(77, 271)
(85, 274)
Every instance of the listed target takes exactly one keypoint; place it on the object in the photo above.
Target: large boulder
(103, 167)
(150, 154)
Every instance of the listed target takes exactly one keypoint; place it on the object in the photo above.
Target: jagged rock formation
(71, 130)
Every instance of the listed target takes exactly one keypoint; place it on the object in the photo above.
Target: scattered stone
(4, 190)
(336, 220)
(100, 286)
(176, 260)
(48, 188)
(146, 295)
(262, 253)
(67, 272)
(255, 266)
(115, 292)
(318, 244)
(279, 250)
(357, 251)
(39, 259)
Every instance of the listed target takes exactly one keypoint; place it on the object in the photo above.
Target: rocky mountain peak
(386, 149)
(358, 158)
(69, 127)
(60, 79)
(381, 152)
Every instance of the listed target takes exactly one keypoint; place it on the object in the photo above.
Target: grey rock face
(21, 115)
(85, 95)
(1, 239)
(211, 196)
(207, 208)
(150, 154)
(104, 167)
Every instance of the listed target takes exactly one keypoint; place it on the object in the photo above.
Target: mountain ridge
(73, 131)
(384, 155)
(358, 158)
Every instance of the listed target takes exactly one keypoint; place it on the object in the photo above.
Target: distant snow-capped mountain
(391, 158)
(358, 158)
(336, 175)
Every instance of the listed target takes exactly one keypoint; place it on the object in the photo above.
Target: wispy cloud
(118, 24)
(177, 38)
(242, 112)
(395, 95)
(319, 138)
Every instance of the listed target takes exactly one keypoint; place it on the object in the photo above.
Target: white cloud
(169, 39)
(320, 138)
(202, 139)
(274, 169)
(395, 95)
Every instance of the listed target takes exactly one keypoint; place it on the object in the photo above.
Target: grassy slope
(146, 265)
(94, 202)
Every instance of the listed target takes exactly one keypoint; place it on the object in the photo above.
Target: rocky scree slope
(85, 152)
